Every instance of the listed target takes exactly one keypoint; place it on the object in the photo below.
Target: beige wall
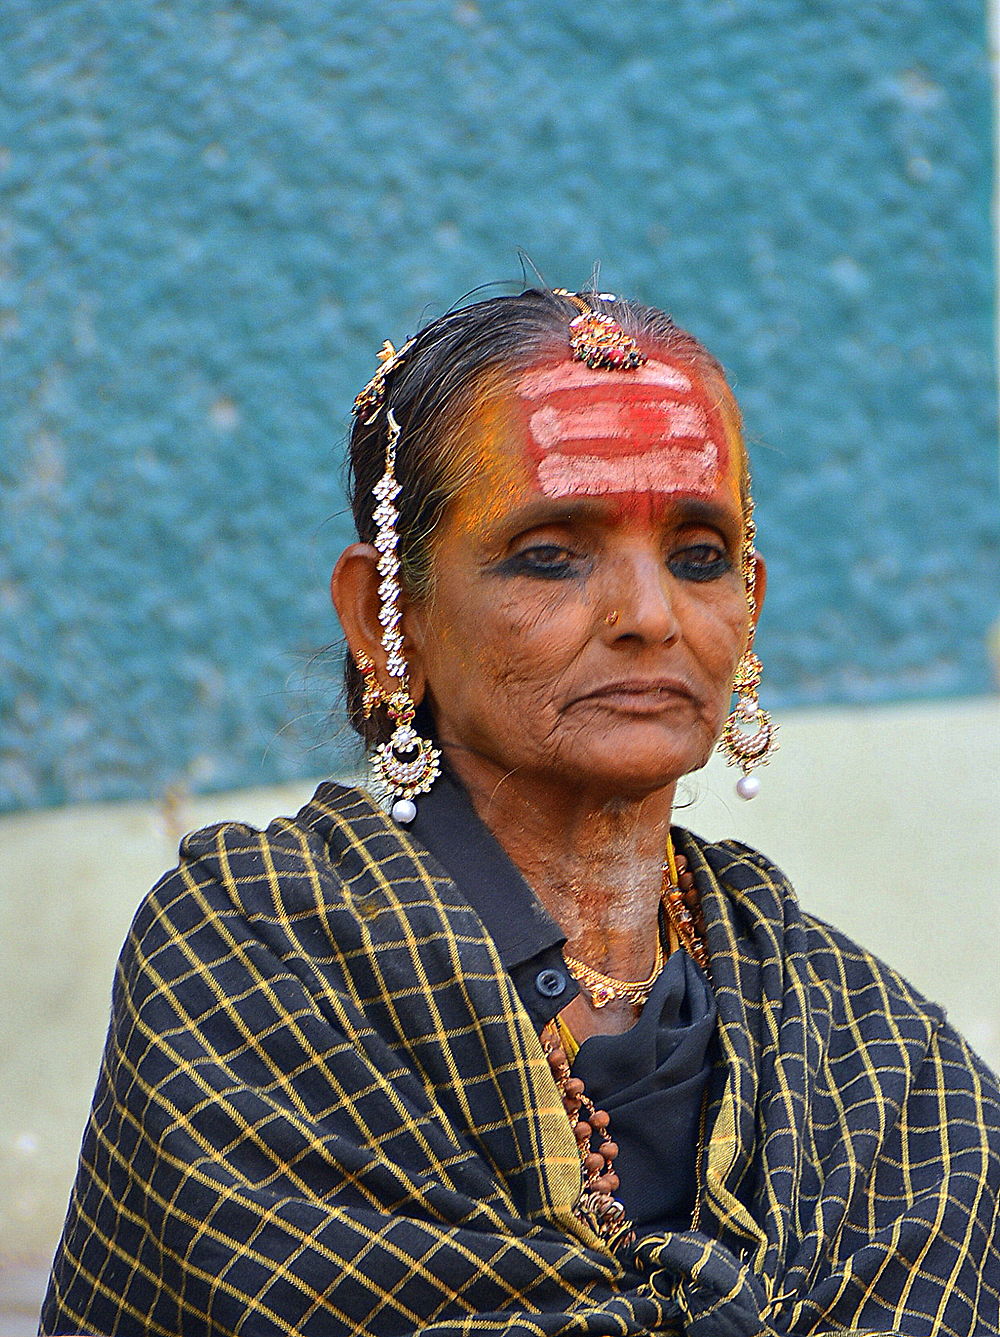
(888, 821)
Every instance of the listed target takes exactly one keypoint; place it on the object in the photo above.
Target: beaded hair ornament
(405, 765)
(597, 339)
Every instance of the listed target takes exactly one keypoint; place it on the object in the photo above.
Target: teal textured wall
(213, 213)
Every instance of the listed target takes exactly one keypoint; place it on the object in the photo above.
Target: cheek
(487, 639)
(725, 639)
(715, 627)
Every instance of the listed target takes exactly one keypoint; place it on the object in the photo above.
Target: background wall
(214, 213)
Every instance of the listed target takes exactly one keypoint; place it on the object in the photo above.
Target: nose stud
(612, 617)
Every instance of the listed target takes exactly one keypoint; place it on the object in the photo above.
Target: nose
(640, 601)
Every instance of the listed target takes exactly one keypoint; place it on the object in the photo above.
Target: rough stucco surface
(214, 213)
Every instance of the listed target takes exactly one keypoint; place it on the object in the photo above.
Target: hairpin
(372, 395)
(597, 339)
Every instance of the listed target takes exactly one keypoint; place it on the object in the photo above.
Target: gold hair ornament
(597, 339)
(371, 397)
(406, 764)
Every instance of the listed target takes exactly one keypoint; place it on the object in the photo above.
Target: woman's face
(589, 607)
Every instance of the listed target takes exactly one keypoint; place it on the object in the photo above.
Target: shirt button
(550, 983)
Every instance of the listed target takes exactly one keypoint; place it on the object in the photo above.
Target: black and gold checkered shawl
(323, 1110)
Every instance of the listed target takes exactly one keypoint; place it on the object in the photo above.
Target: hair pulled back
(431, 388)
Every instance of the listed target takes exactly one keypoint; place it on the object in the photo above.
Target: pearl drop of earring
(748, 786)
(403, 811)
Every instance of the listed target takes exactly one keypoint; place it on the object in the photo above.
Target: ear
(354, 591)
(759, 584)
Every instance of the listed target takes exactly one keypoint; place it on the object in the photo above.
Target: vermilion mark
(655, 429)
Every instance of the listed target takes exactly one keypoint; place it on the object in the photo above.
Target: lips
(640, 696)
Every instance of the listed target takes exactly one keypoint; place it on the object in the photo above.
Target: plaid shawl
(323, 1110)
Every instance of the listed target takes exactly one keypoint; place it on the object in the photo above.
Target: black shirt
(652, 1078)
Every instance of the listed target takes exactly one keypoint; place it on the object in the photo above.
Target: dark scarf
(324, 1110)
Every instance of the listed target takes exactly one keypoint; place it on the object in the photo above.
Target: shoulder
(763, 904)
(245, 905)
(738, 867)
(852, 998)
(340, 874)
(235, 869)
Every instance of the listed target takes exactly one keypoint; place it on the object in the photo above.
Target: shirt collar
(448, 826)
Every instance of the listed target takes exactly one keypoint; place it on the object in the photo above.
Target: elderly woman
(506, 1051)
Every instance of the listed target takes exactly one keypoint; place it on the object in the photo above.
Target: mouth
(640, 696)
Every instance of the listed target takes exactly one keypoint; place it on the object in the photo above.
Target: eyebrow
(696, 511)
(551, 511)
(554, 511)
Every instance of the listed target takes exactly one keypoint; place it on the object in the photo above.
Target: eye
(701, 561)
(543, 561)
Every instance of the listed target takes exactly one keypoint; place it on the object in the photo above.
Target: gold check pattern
(323, 1110)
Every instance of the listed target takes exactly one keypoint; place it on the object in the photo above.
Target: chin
(637, 772)
(649, 758)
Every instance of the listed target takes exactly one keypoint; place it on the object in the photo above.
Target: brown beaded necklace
(598, 1206)
(683, 906)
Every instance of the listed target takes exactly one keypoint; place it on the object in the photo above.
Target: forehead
(562, 431)
(660, 428)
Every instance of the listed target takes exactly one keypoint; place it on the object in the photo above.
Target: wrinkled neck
(594, 861)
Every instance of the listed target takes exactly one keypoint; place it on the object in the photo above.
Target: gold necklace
(602, 989)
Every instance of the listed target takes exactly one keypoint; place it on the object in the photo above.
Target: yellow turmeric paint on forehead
(490, 459)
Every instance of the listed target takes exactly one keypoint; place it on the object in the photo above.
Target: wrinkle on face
(586, 492)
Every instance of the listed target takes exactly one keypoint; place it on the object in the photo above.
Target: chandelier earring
(406, 765)
(748, 737)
